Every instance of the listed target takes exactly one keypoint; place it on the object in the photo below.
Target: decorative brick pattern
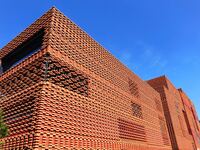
(73, 94)
(21, 115)
(134, 88)
(67, 77)
(137, 110)
(131, 131)
(23, 78)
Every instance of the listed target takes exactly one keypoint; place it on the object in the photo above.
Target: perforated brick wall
(77, 95)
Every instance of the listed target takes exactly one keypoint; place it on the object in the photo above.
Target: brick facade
(192, 117)
(180, 114)
(73, 94)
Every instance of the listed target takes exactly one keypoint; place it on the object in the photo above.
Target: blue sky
(151, 37)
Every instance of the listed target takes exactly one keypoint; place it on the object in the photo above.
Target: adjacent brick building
(59, 89)
(193, 121)
(180, 114)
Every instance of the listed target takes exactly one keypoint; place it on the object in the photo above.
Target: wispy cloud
(144, 60)
(153, 57)
(145, 56)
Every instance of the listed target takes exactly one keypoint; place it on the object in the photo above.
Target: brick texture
(73, 94)
(180, 115)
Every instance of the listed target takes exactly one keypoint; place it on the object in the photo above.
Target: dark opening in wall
(133, 87)
(137, 110)
(67, 76)
(27, 48)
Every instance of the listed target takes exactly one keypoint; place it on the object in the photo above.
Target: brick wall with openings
(88, 99)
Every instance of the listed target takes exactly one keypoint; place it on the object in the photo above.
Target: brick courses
(180, 115)
(73, 94)
(193, 120)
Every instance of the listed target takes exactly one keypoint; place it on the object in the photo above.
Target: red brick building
(180, 114)
(59, 89)
(193, 121)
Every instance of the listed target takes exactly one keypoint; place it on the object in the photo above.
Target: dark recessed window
(67, 77)
(137, 110)
(23, 51)
(133, 87)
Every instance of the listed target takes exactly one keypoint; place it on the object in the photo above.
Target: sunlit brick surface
(182, 124)
(73, 94)
(193, 120)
